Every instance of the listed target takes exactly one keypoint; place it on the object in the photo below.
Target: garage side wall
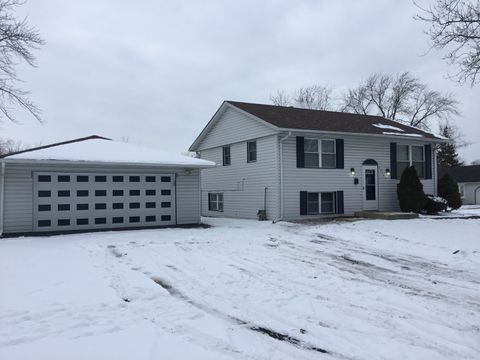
(18, 190)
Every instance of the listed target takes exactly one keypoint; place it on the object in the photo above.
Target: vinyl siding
(234, 126)
(469, 191)
(18, 190)
(243, 184)
(357, 149)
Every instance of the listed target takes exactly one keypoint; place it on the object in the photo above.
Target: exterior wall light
(352, 171)
(387, 172)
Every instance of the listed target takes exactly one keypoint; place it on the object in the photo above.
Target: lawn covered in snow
(372, 289)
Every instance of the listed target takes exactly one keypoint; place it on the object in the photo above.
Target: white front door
(370, 187)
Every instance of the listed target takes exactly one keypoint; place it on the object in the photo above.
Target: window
(82, 221)
(44, 178)
(117, 220)
(82, 193)
(166, 192)
(63, 178)
(63, 222)
(134, 192)
(82, 178)
(134, 179)
(63, 193)
(251, 151)
(411, 155)
(166, 204)
(100, 206)
(215, 201)
(117, 206)
(42, 223)
(63, 207)
(117, 178)
(134, 205)
(311, 153)
(44, 207)
(82, 206)
(166, 217)
(44, 193)
(150, 205)
(100, 178)
(165, 179)
(328, 154)
(150, 178)
(226, 155)
(134, 219)
(100, 220)
(312, 203)
(150, 192)
(100, 192)
(328, 202)
(117, 192)
(150, 218)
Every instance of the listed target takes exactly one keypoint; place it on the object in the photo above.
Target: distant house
(94, 183)
(468, 179)
(298, 163)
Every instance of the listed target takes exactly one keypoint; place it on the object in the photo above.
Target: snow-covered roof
(98, 149)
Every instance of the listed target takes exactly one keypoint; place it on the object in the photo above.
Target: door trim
(370, 204)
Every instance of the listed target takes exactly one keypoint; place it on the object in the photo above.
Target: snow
(401, 134)
(370, 289)
(101, 150)
(382, 126)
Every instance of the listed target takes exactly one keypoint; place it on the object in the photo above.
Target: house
(95, 183)
(468, 180)
(299, 163)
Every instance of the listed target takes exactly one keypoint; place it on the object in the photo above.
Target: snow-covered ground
(373, 289)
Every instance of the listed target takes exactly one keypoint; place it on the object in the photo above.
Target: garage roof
(99, 149)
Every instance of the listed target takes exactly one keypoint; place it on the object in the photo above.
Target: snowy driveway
(246, 290)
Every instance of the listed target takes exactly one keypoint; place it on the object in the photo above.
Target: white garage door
(77, 201)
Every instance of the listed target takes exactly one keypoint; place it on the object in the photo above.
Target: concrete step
(386, 215)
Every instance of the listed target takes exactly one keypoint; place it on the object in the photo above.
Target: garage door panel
(75, 201)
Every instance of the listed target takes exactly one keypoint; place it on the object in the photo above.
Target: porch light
(352, 171)
(387, 172)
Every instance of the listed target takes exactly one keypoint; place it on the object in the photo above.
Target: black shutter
(300, 152)
(428, 161)
(393, 160)
(340, 209)
(303, 203)
(339, 151)
(209, 202)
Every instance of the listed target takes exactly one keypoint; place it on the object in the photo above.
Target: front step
(386, 215)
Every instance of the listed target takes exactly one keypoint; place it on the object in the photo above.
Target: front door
(370, 187)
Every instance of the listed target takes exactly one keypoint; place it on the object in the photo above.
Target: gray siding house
(468, 179)
(94, 183)
(299, 163)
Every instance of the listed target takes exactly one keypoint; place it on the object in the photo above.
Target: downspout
(280, 197)
(2, 195)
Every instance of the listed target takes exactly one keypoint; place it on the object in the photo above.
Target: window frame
(410, 159)
(313, 202)
(333, 202)
(226, 156)
(320, 153)
(250, 158)
(214, 199)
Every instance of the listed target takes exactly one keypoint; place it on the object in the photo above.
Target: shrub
(448, 189)
(435, 204)
(410, 191)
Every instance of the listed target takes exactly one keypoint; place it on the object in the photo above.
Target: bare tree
(316, 97)
(403, 98)
(475, 162)
(8, 146)
(455, 26)
(17, 40)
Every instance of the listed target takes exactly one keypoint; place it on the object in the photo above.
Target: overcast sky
(155, 71)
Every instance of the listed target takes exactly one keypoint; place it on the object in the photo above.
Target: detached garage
(96, 183)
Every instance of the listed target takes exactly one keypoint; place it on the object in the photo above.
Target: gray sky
(156, 71)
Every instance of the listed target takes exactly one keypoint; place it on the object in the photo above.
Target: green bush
(434, 205)
(410, 191)
(448, 189)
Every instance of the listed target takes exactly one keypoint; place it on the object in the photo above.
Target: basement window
(215, 201)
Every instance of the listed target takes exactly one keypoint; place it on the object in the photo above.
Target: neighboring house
(468, 179)
(298, 163)
(95, 183)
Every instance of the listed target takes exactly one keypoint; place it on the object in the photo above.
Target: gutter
(2, 195)
(280, 197)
